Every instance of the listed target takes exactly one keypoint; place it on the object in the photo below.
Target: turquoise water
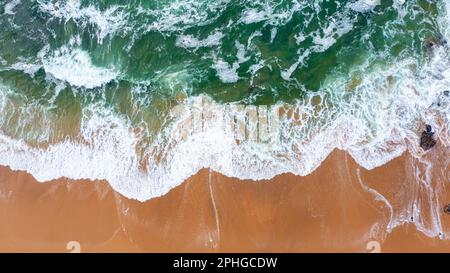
(146, 93)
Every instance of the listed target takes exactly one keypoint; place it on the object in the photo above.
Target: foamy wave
(189, 41)
(336, 26)
(364, 5)
(270, 13)
(247, 142)
(335, 29)
(73, 65)
(179, 15)
(107, 21)
(9, 7)
(28, 68)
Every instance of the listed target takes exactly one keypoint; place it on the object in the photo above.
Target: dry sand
(336, 208)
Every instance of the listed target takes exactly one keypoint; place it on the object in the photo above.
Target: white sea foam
(181, 14)
(286, 74)
(270, 13)
(107, 21)
(336, 26)
(29, 68)
(444, 21)
(254, 16)
(364, 5)
(228, 73)
(9, 7)
(326, 37)
(74, 65)
(189, 41)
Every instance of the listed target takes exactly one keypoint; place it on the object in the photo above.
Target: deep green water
(139, 42)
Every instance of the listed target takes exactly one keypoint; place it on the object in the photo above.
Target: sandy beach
(332, 209)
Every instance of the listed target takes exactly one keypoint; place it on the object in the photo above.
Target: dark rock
(427, 140)
(447, 209)
(433, 42)
(446, 93)
(430, 43)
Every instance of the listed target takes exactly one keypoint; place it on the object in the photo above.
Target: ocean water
(146, 93)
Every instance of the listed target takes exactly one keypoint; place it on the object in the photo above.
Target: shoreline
(339, 208)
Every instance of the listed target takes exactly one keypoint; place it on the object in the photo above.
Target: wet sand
(337, 208)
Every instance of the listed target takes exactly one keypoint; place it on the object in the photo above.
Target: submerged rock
(433, 42)
(430, 43)
(427, 140)
(447, 209)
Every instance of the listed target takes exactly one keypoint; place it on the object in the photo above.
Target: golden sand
(333, 209)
